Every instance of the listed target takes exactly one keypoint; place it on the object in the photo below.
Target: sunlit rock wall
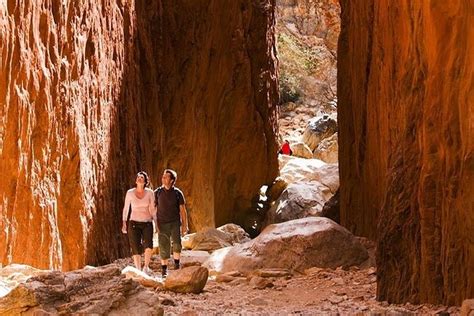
(406, 130)
(91, 92)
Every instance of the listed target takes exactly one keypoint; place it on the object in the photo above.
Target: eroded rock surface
(101, 290)
(406, 151)
(91, 92)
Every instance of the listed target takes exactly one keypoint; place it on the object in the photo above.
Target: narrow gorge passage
(371, 213)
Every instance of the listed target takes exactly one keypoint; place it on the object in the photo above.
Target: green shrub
(288, 90)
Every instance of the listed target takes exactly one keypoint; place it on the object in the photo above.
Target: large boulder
(328, 150)
(215, 238)
(187, 280)
(299, 200)
(193, 257)
(236, 233)
(207, 240)
(318, 129)
(306, 170)
(296, 245)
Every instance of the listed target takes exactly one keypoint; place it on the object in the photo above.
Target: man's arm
(184, 219)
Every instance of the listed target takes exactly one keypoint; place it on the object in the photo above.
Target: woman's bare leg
(148, 252)
(137, 260)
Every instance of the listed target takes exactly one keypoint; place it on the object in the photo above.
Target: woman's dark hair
(172, 174)
(143, 173)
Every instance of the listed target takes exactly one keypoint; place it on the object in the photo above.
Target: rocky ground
(319, 292)
(314, 291)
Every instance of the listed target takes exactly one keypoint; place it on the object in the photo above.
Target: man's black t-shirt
(168, 202)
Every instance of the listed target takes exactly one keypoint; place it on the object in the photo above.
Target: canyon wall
(91, 92)
(406, 131)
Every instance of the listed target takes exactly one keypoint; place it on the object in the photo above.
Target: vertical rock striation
(210, 96)
(91, 92)
(62, 66)
(406, 145)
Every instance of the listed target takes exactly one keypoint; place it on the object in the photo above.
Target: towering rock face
(406, 145)
(91, 92)
(208, 87)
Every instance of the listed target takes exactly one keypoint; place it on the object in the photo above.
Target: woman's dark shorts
(140, 236)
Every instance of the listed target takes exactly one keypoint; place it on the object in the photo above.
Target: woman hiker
(140, 202)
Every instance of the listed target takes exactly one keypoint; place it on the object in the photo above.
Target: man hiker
(171, 219)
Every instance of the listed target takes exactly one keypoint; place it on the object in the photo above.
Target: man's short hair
(172, 174)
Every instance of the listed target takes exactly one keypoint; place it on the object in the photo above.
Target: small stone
(223, 278)
(338, 281)
(335, 299)
(168, 302)
(268, 273)
(260, 283)
(259, 302)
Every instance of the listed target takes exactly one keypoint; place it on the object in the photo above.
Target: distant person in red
(285, 149)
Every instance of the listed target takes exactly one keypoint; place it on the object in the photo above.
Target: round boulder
(327, 150)
(318, 129)
(187, 280)
(299, 200)
(297, 245)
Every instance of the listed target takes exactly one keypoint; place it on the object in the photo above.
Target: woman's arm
(151, 205)
(126, 207)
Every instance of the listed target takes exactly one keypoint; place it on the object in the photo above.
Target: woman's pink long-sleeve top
(143, 210)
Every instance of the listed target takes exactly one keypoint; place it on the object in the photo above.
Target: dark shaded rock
(331, 208)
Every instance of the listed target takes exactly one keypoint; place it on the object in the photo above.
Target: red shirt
(285, 149)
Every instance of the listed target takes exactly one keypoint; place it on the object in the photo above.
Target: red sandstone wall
(91, 92)
(406, 143)
(210, 78)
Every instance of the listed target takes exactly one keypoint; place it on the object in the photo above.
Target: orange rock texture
(406, 144)
(91, 92)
